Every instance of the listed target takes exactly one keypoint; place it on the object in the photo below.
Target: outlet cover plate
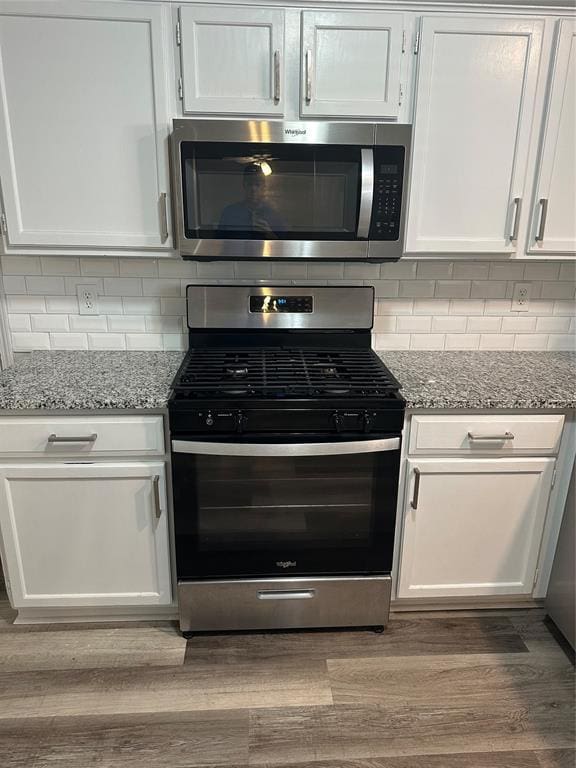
(87, 299)
(521, 297)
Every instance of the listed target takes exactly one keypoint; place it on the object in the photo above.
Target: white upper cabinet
(351, 63)
(475, 93)
(232, 60)
(83, 124)
(553, 227)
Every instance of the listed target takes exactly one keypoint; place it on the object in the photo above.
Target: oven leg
(378, 630)
(187, 635)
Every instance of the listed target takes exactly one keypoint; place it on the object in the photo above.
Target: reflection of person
(253, 214)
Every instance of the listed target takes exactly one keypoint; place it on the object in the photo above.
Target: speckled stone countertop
(89, 380)
(485, 379)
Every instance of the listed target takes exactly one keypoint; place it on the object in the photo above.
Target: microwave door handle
(366, 193)
(285, 449)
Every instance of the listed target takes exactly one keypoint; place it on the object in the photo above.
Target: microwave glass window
(266, 191)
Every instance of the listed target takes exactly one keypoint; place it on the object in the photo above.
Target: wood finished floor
(446, 690)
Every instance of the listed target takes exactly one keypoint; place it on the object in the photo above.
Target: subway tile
(68, 341)
(557, 290)
(462, 341)
(391, 341)
(413, 324)
(449, 324)
(144, 341)
(138, 267)
(562, 341)
(60, 265)
(325, 270)
(175, 342)
(452, 289)
(488, 289)
(542, 271)
(106, 341)
(535, 287)
(71, 284)
(564, 308)
(471, 270)
(506, 270)
(385, 288)
(427, 341)
(14, 284)
(467, 307)
(317, 281)
(416, 288)
(573, 325)
(399, 270)
(518, 324)
(65, 305)
(94, 266)
(165, 324)
(24, 342)
(434, 270)
(44, 285)
(19, 322)
(257, 269)
(88, 323)
(362, 271)
(431, 307)
(110, 305)
(161, 287)
(384, 324)
(531, 341)
(173, 306)
(348, 281)
(394, 306)
(553, 324)
(49, 322)
(541, 307)
(123, 286)
(497, 341)
(215, 268)
(497, 306)
(28, 304)
(143, 306)
(483, 324)
(568, 271)
(287, 270)
(126, 323)
(21, 265)
(177, 267)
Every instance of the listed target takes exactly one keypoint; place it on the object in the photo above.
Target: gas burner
(329, 371)
(237, 373)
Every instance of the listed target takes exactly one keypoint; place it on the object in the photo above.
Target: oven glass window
(269, 191)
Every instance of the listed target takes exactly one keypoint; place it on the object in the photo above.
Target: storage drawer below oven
(287, 603)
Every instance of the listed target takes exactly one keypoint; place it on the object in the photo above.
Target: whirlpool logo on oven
(286, 563)
(295, 131)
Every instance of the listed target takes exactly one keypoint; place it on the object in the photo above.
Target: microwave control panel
(388, 183)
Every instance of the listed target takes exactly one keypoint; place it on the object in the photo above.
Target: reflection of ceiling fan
(262, 161)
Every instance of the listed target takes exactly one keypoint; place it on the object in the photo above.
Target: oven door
(253, 509)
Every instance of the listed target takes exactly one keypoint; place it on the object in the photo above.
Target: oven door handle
(285, 449)
(366, 193)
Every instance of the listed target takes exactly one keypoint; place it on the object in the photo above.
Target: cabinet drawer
(56, 436)
(500, 434)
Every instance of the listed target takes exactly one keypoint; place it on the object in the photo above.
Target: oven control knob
(367, 421)
(337, 422)
(209, 420)
(240, 422)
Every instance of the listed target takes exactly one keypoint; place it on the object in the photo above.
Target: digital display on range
(268, 304)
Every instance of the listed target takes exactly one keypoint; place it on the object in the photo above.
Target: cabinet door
(232, 60)
(85, 534)
(473, 115)
(83, 124)
(554, 218)
(351, 64)
(473, 526)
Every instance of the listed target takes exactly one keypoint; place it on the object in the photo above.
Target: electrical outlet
(521, 297)
(87, 299)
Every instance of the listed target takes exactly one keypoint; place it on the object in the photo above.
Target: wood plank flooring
(449, 690)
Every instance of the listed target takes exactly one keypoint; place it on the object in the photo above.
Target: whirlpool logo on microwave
(295, 131)
(286, 563)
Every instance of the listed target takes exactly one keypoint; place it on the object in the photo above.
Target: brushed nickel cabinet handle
(80, 439)
(414, 502)
(505, 436)
(308, 76)
(276, 76)
(516, 220)
(286, 594)
(157, 504)
(543, 203)
(163, 217)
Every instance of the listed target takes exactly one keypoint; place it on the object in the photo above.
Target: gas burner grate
(272, 372)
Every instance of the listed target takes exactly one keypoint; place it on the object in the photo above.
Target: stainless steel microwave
(248, 189)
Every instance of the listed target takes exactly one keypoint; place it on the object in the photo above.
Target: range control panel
(388, 184)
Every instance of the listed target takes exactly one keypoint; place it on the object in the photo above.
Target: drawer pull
(286, 594)
(414, 502)
(505, 436)
(157, 504)
(81, 439)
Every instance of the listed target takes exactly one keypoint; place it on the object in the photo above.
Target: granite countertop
(89, 380)
(94, 380)
(485, 380)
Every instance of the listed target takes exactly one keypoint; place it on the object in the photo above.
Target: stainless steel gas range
(285, 429)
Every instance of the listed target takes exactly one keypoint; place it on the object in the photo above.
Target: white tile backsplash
(423, 304)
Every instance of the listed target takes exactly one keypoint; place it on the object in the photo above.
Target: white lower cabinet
(473, 526)
(85, 534)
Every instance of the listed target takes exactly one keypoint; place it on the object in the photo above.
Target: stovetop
(277, 373)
